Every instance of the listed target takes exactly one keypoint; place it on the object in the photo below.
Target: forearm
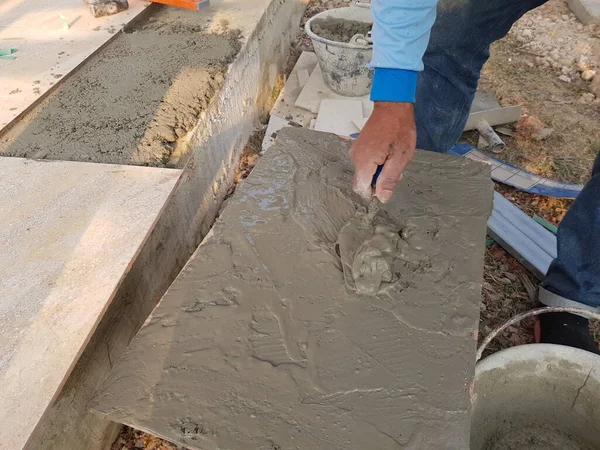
(401, 30)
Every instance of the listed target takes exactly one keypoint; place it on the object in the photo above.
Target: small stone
(565, 70)
(529, 64)
(588, 75)
(526, 33)
(521, 40)
(564, 78)
(584, 63)
(531, 128)
(139, 444)
(565, 17)
(586, 98)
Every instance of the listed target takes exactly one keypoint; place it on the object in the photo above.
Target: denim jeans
(459, 46)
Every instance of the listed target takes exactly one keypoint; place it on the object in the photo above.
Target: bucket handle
(534, 312)
(361, 3)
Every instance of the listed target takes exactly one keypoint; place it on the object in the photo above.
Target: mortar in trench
(135, 101)
(537, 397)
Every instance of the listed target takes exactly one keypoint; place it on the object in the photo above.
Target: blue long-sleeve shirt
(401, 30)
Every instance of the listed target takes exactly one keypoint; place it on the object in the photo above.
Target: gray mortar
(258, 344)
(134, 99)
(340, 30)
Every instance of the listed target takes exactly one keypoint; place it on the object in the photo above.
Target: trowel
(359, 238)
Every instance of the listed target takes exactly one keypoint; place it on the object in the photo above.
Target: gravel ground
(545, 63)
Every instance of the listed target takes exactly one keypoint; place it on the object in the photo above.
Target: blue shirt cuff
(394, 85)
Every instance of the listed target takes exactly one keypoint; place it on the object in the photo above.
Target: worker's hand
(389, 137)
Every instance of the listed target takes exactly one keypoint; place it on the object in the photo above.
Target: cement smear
(340, 30)
(133, 100)
(259, 344)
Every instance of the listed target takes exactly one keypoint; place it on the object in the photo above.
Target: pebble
(564, 78)
(139, 444)
(588, 75)
(526, 33)
(586, 98)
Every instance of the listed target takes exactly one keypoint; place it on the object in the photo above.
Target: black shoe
(567, 329)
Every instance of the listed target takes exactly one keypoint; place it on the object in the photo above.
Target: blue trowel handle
(377, 172)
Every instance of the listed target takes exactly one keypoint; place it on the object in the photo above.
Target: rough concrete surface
(132, 101)
(210, 159)
(260, 344)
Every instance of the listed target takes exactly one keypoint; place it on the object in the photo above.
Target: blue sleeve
(401, 30)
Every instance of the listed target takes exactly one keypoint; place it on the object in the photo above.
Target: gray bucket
(344, 65)
(536, 396)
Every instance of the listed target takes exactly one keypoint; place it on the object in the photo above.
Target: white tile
(284, 106)
(501, 174)
(73, 232)
(337, 116)
(359, 123)
(316, 90)
(522, 182)
(303, 76)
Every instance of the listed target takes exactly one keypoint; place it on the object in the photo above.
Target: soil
(166, 70)
(340, 30)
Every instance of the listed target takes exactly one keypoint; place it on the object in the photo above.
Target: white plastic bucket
(344, 65)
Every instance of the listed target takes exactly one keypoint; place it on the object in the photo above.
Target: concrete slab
(46, 51)
(260, 344)
(209, 154)
(68, 237)
(587, 11)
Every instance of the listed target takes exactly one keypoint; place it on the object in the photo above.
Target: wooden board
(69, 233)
(46, 51)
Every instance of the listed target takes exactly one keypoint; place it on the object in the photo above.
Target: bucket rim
(314, 37)
(542, 353)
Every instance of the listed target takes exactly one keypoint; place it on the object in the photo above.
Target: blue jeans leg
(575, 273)
(458, 48)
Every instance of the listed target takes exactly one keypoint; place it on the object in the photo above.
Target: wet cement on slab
(260, 342)
(135, 99)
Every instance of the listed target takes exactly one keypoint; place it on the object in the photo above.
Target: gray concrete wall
(215, 148)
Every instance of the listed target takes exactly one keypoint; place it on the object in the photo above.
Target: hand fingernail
(384, 196)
